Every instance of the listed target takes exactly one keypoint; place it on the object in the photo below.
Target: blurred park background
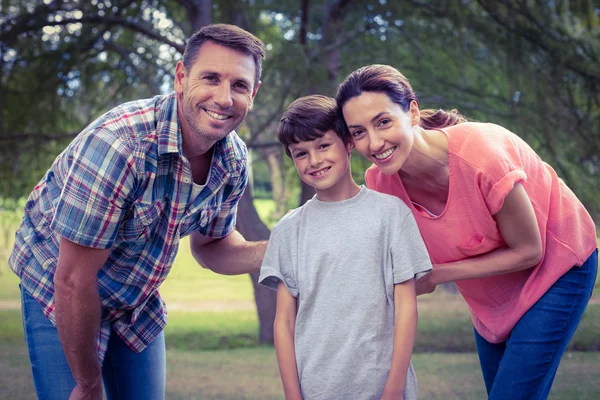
(532, 66)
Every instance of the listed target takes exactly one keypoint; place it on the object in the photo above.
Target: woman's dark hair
(388, 80)
(229, 36)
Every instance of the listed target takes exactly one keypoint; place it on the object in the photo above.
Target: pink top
(485, 162)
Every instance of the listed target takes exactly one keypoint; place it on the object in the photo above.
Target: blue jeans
(524, 366)
(125, 373)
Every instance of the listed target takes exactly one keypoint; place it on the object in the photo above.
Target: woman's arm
(284, 328)
(518, 226)
(405, 326)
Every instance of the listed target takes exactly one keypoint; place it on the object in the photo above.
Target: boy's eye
(299, 154)
(325, 145)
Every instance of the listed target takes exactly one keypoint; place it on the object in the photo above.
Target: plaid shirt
(124, 184)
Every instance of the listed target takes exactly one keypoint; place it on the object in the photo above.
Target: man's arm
(405, 326)
(283, 329)
(78, 314)
(231, 255)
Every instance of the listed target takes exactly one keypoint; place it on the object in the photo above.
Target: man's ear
(254, 95)
(180, 76)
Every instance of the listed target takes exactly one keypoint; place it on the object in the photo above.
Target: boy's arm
(405, 326)
(284, 327)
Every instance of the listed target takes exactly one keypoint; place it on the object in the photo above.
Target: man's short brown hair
(230, 36)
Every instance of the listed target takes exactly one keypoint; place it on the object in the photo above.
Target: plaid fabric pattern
(124, 184)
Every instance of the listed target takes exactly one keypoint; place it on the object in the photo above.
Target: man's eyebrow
(372, 119)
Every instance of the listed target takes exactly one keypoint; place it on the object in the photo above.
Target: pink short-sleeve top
(485, 163)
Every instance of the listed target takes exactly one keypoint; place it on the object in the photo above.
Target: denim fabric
(524, 366)
(126, 374)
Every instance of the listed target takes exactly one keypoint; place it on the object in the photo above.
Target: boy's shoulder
(289, 220)
(387, 202)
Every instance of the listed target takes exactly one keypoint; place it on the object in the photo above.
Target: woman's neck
(427, 163)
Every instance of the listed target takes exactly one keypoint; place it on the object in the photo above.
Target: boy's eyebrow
(372, 120)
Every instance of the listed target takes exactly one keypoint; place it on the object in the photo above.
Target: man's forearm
(231, 255)
(78, 323)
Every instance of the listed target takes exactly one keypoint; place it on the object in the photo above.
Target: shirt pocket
(141, 224)
(478, 244)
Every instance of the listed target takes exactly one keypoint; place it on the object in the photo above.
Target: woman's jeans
(524, 366)
(126, 374)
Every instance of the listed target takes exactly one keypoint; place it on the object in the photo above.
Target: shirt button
(186, 180)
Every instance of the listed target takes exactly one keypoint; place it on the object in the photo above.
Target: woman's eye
(357, 133)
(385, 122)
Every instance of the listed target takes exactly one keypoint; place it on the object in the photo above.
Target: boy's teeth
(385, 154)
(321, 172)
(217, 116)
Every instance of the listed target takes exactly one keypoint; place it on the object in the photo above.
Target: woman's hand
(424, 284)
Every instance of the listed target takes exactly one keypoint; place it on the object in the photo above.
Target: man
(102, 228)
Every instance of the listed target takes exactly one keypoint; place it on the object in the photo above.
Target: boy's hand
(396, 394)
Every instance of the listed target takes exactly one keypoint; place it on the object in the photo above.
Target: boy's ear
(350, 146)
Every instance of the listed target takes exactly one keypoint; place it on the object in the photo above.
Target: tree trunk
(252, 228)
(272, 155)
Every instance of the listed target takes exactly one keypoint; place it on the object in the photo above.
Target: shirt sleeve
(225, 221)
(278, 263)
(408, 252)
(501, 163)
(98, 181)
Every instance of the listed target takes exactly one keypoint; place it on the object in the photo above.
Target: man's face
(216, 93)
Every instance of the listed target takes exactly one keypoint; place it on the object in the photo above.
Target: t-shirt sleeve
(99, 179)
(279, 262)
(500, 162)
(408, 252)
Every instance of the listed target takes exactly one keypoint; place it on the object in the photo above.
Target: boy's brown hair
(307, 119)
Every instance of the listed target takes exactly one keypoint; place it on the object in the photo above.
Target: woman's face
(381, 130)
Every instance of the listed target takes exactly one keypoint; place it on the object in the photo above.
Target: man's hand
(78, 314)
(82, 394)
(231, 255)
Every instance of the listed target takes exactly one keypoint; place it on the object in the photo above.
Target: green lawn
(213, 353)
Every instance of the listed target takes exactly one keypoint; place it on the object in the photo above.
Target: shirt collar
(228, 153)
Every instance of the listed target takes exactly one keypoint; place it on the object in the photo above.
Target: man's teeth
(217, 116)
(385, 154)
(321, 172)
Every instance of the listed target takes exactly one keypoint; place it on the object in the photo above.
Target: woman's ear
(415, 113)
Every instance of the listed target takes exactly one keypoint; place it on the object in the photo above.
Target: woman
(496, 220)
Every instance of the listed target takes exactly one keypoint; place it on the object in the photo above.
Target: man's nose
(222, 95)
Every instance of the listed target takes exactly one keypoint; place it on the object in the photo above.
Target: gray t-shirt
(341, 260)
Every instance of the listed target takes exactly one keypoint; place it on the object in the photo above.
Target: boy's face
(323, 163)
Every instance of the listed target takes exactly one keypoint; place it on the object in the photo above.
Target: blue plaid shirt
(124, 184)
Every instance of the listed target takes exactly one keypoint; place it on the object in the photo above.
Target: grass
(212, 350)
(252, 374)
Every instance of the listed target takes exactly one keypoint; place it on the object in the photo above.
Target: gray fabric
(341, 260)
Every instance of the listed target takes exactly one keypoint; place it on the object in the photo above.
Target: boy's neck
(344, 189)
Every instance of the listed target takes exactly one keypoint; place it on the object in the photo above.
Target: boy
(344, 272)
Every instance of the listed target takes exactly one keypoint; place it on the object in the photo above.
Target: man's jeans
(524, 366)
(126, 374)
